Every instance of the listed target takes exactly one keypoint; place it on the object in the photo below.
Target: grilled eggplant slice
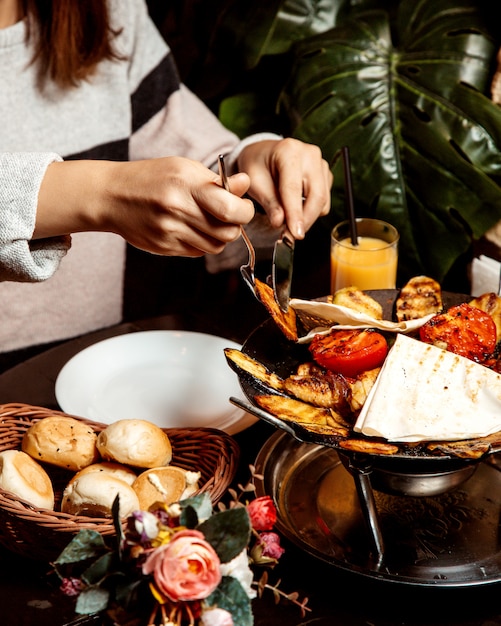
(286, 322)
(241, 362)
(368, 447)
(315, 419)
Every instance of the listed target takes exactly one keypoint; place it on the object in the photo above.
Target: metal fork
(247, 270)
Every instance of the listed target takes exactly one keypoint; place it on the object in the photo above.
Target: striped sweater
(131, 109)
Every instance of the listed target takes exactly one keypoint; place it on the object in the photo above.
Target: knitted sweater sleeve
(20, 258)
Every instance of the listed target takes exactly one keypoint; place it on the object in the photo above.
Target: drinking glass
(372, 263)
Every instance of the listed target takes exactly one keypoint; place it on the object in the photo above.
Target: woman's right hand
(168, 206)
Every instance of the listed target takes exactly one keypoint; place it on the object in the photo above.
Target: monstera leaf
(409, 95)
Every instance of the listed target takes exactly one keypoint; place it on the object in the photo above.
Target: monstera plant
(405, 85)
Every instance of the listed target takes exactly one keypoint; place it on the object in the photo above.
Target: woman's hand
(169, 206)
(290, 180)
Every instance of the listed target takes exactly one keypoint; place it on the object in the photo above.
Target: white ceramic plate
(176, 379)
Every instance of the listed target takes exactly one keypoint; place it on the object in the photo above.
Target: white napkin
(485, 274)
(343, 317)
(424, 393)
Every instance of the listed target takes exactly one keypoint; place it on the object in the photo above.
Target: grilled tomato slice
(464, 330)
(349, 352)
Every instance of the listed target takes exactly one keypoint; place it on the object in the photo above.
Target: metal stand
(361, 468)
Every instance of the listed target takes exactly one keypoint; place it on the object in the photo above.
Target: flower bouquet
(178, 564)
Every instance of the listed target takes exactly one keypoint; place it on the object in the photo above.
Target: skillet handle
(264, 415)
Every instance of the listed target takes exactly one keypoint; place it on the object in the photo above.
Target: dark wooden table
(29, 596)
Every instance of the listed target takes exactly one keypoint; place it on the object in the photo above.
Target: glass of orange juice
(372, 263)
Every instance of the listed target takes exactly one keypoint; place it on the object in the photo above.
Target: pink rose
(270, 544)
(262, 513)
(72, 586)
(186, 568)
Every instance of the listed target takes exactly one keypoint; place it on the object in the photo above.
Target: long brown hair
(70, 38)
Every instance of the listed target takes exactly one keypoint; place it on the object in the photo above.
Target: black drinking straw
(348, 185)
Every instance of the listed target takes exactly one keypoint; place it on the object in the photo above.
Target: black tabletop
(29, 595)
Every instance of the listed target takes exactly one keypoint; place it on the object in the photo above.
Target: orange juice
(372, 264)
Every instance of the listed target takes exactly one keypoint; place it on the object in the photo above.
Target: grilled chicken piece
(318, 420)
(353, 298)
(319, 387)
(360, 388)
(421, 296)
(490, 303)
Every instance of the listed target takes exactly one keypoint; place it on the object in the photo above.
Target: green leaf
(409, 97)
(99, 569)
(195, 508)
(231, 596)
(92, 600)
(85, 544)
(228, 532)
(127, 593)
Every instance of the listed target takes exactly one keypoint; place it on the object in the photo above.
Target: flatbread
(424, 393)
(329, 314)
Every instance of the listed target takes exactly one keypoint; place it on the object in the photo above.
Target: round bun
(27, 479)
(62, 441)
(93, 493)
(135, 442)
(159, 484)
(117, 470)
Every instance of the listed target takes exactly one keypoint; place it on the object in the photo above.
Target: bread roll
(25, 478)
(117, 470)
(164, 484)
(61, 440)
(92, 495)
(135, 442)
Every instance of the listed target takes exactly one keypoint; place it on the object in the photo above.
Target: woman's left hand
(290, 180)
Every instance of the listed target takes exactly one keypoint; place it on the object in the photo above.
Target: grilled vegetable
(463, 330)
(419, 297)
(359, 301)
(491, 304)
(315, 419)
(286, 322)
(349, 352)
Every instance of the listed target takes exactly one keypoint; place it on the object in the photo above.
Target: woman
(100, 141)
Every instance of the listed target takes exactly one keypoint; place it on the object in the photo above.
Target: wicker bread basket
(42, 534)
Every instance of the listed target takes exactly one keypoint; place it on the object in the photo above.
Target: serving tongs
(247, 270)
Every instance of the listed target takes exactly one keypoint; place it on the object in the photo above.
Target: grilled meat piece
(319, 387)
(360, 387)
(419, 297)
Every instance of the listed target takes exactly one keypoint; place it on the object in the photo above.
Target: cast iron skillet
(268, 345)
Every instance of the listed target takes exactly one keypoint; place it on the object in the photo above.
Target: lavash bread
(135, 442)
(164, 484)
(62, 441)
(25, 478)
(92, 495)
